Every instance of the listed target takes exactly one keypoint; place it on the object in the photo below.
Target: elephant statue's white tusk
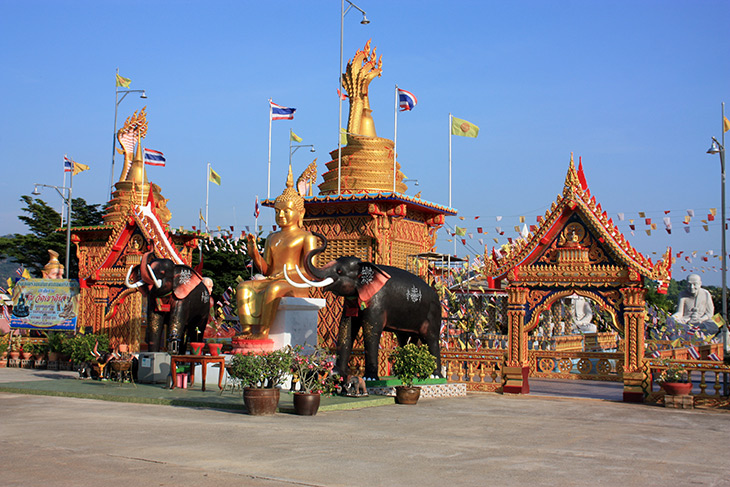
(158, 283)
(129, 284)
(295, 284)
(323, 283)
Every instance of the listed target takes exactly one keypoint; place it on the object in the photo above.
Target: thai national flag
(68, 164)
(153, 157)
(279, 112)
(693, 353)
(406, 100)
(713, 356)
(256, 211)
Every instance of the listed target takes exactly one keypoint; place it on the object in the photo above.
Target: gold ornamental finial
(572, 182)
(53, 269)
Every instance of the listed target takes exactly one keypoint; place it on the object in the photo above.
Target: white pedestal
(296, 322)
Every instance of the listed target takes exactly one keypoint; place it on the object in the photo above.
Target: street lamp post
(67, 200)
(117, 101)
(364, 21)
(719, 148)
(294, 148)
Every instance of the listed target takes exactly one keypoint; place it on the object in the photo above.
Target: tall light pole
(67, 200)
(117, 101)
(719, 148)
(294, 148)
(364, 21)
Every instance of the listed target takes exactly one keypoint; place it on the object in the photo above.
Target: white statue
(582, 315)
(695, 307)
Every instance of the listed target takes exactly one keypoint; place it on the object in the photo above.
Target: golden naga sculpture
(367, 160)
(361, 70)
(133, 130)
(133, 188)
(258, 299)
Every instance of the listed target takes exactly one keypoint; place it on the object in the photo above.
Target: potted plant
(55, 345)
(313, 374)
(409, 363)
(3, 351)
(261, 374)
(14, 346)
(38, 350)
(674, 379)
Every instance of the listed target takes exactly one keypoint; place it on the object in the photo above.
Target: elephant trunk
(313, 270)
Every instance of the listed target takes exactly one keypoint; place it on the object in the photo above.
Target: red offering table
(203, 360)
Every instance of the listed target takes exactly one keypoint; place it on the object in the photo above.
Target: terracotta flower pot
(26, 355)
(14, 355)
(306, 403)
(196, 347)
(215, 348)
(677, 388)
(54, 356)
(407, 395)
(261, 401)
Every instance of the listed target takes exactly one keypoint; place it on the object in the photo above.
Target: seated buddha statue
(257, 299)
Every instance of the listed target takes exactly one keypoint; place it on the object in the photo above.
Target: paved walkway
(481, 439)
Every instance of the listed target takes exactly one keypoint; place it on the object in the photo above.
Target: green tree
(224, 260)
(31, 250)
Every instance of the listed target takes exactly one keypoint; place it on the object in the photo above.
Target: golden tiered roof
(564, 254)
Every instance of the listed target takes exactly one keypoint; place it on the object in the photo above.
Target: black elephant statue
(178, 302)
(377, 298)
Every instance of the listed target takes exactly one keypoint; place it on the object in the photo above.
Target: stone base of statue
(246, 345)
(296, 322)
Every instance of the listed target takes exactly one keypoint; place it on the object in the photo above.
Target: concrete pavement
(481, 439)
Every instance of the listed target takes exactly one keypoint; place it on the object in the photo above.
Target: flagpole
(256, 221)
(395, 137)
(114, 135)
(68, 220)
(207, 192)
(450, 164)
(268, 180)
(724, 250)
(290, 132)
(63, 201)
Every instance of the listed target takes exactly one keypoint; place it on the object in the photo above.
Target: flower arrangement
(674, 372)
(313, 372)
(261, 370)
(412, 362)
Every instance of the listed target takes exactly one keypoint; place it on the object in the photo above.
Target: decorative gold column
(516, 370)
(633, 317)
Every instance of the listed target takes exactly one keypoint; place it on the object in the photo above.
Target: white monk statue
(695, 307)
(582, 315)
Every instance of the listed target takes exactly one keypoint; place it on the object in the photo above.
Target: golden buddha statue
(54, 269)
(258, 299)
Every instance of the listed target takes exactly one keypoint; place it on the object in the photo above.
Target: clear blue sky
(633, 87)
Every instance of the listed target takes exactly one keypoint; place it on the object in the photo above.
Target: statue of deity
(54, 269)
(257, 299)
(582, 315)
(695, 307)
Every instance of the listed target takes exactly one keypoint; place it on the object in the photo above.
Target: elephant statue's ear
(370, 279)
(186, 279)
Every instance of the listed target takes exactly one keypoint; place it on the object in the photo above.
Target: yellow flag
(214, 177)
(294, 137)
(719, 321)
(26, 274)
(78, 167)
(463, 128)
(123, 82)
(343, 137)
(725, 124)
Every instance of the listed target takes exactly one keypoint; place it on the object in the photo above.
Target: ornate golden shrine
(367, 219)
(136, 221)
(576, 249)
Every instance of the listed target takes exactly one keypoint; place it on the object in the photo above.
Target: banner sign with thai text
(45, 304)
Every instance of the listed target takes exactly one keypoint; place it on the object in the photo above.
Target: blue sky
(633, 87)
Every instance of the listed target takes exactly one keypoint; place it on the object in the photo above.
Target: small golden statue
(258, 299)
(54, 269)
